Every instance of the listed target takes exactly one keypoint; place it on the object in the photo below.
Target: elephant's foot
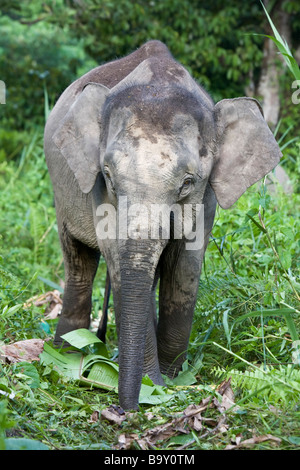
(153, 373)
(65, 325)
(156, 378)
(170, 370)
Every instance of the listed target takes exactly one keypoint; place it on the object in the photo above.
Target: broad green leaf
(91, 359)
(81, 338)
(51, 284)
(103, 375)
(101, 372)
(24, 444)
(182, 439)
(294, 440)
(184, 378)
(66, 364)
(153, 394)
(28, 370)
(154, 399)
(147, 381)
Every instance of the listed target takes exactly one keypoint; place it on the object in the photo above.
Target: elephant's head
(159, 139)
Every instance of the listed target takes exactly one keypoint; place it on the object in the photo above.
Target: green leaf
(294, 440)
(103, 375)
(182, 439)
(153, 399)
(65, 364)
(91, 369)
(81, 338)
(24, 444)
(7, 312)
(283, 48)
(184, 378)
(51, 284)
(30, 372)
(261, 228)
(152, 394)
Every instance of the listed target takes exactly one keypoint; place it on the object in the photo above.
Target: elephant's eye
(186, 186)
(187, 182)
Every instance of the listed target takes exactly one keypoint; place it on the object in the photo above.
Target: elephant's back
(111, 73)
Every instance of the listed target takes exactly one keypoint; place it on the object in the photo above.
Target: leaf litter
(103, 373)
(191, 419)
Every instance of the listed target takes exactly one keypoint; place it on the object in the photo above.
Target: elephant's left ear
(246, 149)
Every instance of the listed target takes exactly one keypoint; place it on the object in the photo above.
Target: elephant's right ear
(78, 135)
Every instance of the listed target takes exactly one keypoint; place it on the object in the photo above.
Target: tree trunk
(273, 65)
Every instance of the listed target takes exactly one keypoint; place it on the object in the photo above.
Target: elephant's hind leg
(81, 264)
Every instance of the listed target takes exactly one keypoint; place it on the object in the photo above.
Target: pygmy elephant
(130, 145)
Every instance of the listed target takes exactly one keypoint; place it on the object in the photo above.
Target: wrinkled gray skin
(141, 127)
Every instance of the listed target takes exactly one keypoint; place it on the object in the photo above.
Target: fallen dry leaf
(227, 402)
(253, 441)
(54, 312)
(94, 417)
(114, 414)
(125, 441)
(51, 299)
(27, 350)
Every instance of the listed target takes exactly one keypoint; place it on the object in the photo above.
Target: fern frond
(37, 230)
(277, 384)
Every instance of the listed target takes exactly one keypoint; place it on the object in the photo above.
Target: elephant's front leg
(81, 264)
(180, 272)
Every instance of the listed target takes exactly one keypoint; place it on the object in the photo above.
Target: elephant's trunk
(138, 262)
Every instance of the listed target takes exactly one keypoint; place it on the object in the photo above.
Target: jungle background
(247, 316)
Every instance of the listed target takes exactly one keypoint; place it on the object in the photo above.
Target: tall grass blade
(285, 312)
(283, 47)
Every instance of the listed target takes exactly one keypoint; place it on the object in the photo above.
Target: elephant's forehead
(165, 149)
(149, 136)
(158, 154)
(159, 150)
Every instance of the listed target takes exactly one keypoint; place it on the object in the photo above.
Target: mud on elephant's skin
(142, 129)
